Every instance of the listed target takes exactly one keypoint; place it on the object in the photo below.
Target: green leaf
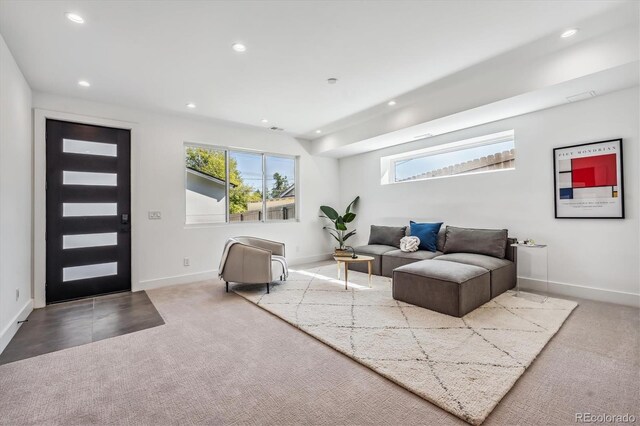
(352, 204)
(331, 231)
(340, 224)
(330, 212)
(348, 217)
(348, 235)
(335, 238)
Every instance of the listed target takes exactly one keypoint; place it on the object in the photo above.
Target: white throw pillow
(409, 244)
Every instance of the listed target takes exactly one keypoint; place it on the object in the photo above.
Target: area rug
(463, 365)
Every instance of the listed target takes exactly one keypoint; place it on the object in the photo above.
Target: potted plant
(339, 230)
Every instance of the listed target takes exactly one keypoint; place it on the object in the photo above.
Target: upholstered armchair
(251, 260)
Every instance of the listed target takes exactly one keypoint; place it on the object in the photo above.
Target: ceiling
(163, 55)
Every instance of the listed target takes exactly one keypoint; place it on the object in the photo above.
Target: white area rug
(463, 365)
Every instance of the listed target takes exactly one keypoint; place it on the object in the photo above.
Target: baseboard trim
(574, 290)
(12, 328)
(211, 274)
(177, 279)
(309, 259)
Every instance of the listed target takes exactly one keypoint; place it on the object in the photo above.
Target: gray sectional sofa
(469, 268)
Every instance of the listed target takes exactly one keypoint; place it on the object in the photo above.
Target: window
(482, 154)
(206, 185)
(238, 186)
(280, 189)
(246, 187)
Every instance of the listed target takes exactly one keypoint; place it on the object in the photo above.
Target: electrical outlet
(17, 294)
(185, 261)
(154, 215)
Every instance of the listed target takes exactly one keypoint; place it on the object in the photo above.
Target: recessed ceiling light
(391, 103)
(191, 105)
(569, 33)
(239, 47)
(318, 131)
(74, 17)
(332, 80)
(84, 83)
(264, 120)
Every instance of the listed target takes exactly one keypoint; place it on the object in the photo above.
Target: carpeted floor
(463, 365)
(221, 360)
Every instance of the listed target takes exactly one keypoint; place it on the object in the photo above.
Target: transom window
(494, 152)
(228, 185)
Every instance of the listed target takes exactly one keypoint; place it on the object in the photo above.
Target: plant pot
(341, 253)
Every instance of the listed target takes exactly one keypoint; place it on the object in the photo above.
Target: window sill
(232, 224)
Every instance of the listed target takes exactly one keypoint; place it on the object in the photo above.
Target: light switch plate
(154, 215)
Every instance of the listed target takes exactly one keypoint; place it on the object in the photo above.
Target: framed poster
(588, 181)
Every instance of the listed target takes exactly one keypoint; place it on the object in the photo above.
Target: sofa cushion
(443, 271)
(428, 234)
(446, 287)
(487, 262)
(503, 271)
(490, 242)
(387, 235)
(374, 250)
(396, 258)
(415, 255)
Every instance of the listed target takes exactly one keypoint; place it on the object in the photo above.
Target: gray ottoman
(446, 287)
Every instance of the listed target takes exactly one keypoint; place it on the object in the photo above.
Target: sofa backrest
(510, 251)
(442, 235)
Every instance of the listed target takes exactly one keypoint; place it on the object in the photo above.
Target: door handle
(124, 219)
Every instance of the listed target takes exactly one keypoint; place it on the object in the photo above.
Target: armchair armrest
(275, 247)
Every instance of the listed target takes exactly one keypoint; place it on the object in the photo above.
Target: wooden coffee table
(347, 260)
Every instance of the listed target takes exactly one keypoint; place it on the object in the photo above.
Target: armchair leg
(267, 288)
(227, 286)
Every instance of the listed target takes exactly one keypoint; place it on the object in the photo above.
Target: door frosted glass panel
(89, 209)
(86, 178)
(89, 148)
(89, 240)
(74, 273)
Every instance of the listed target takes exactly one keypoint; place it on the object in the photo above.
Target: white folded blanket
(409, 244)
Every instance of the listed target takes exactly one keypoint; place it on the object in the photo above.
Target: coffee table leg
(338, 269)
(346, 275)
(369, 264)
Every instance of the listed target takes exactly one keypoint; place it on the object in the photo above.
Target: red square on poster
(599, 170)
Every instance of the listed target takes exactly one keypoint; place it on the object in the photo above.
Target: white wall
(15, 196)
(585, 256)
(158, 184)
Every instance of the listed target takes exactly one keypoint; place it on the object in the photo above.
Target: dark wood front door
(88, 210)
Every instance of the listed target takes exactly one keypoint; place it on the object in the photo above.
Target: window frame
(388, 163)
(227, 150)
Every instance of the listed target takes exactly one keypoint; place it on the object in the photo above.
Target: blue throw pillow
(428, 234)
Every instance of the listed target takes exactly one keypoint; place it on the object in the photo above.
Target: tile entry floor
(68, 324)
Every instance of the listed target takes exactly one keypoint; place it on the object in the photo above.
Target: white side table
(518, 246)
